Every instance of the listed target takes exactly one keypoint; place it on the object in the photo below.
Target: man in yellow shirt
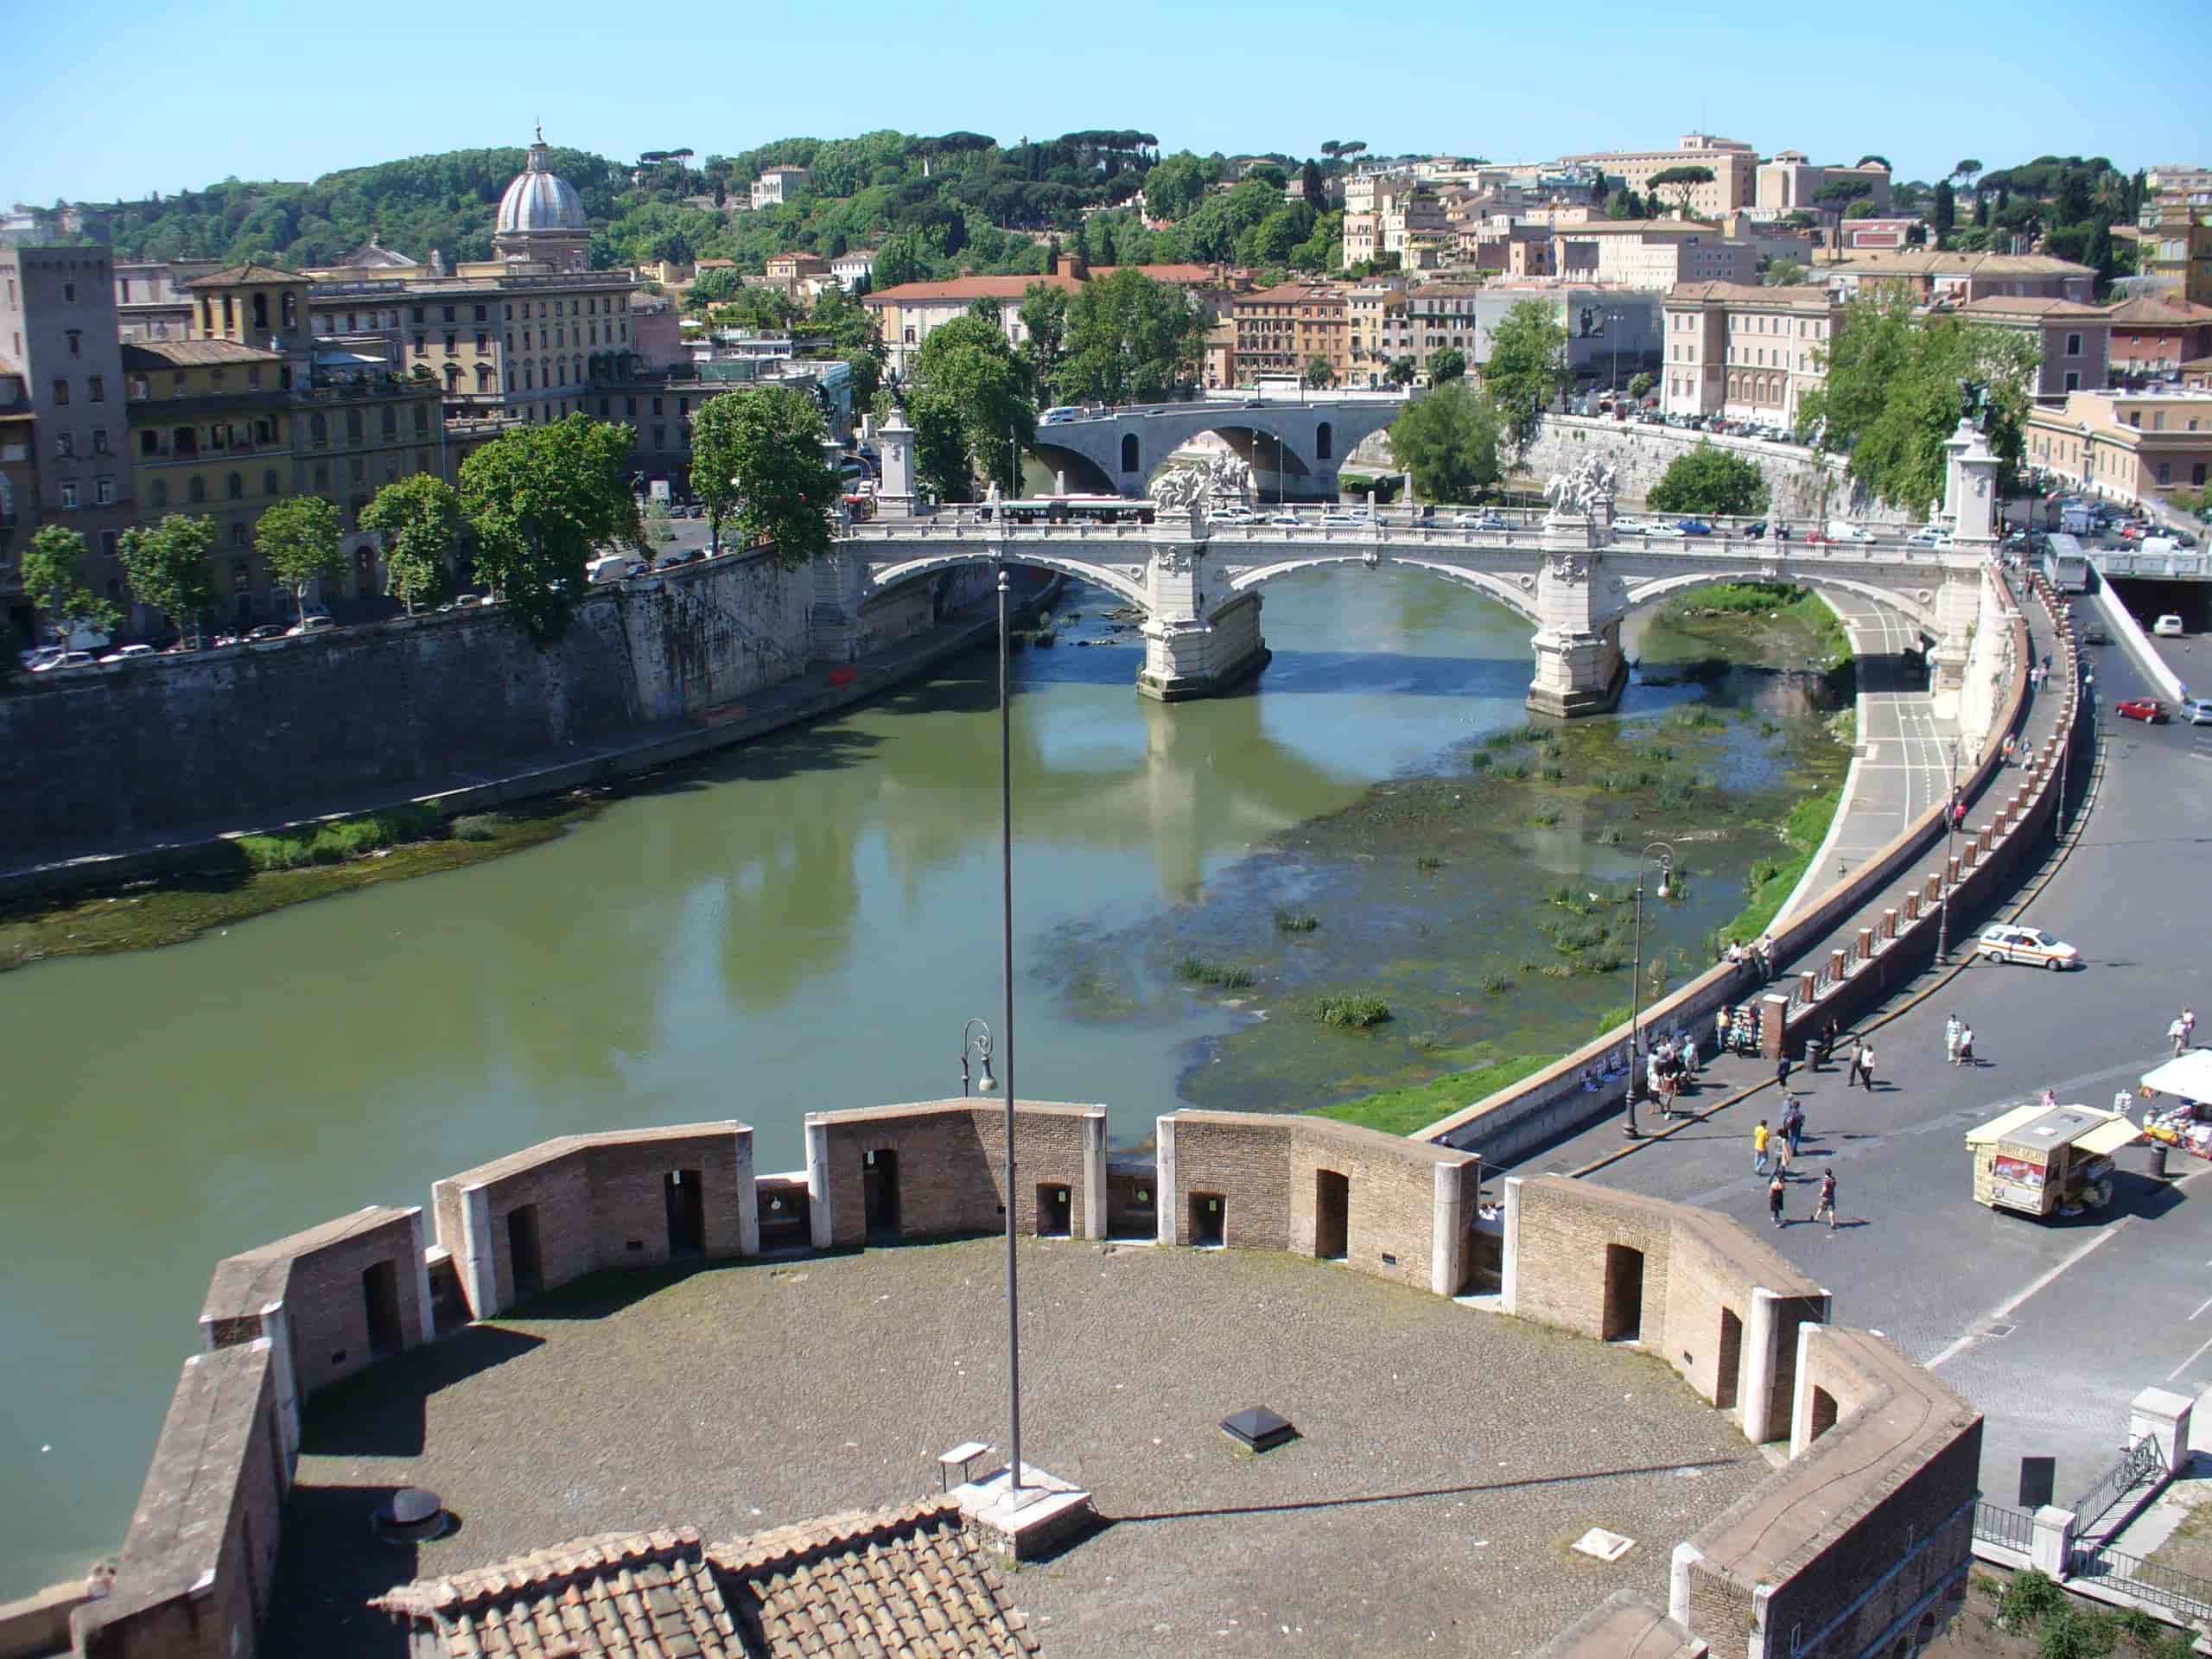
(1758, 1147)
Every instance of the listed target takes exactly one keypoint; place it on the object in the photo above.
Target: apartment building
(2125, 446)
(1282, 329)
(778, 184)
(2174, 190)
(1789, 183)
(18, 501)
(1746, 353)
(1379, 319)
(2072, 342)
(2153, 336)
(1927, 275)
(58, 332)
(2176, 256)
(1733, 164)
(1655, 253)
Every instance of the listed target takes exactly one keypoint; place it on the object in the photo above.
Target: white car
(2167, 627)
(1668, 533)
(1627, 526)
(1480, 521)
(1929, 536)
(127, 654)
(1339, 521)
(1286, 518)
(1234, 516)
(2029, 945)
(67, 660)
(317, 624)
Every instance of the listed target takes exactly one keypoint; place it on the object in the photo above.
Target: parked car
(38, 657)
(1929, 536)
(2197, 711)
(65, 659)
(2149, 710)
(316, 623)
(127, 654)
(1693, 527)
(2030, 945)
(681, 555)
(266, 631)
(2167, 627)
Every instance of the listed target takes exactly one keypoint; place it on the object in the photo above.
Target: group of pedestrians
(1958, 1041)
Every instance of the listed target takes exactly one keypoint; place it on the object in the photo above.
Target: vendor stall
(2042, 1161)
(2177, 1103)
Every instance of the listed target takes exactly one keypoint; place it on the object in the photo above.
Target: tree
(1130, 340)
(1685, 179)
(764, 446)
(1176, 186)
(1402, 370)
(299, 540)
(1526, 369)
(1445, 362)
(1708, 480)
(53, 579)
(1044, 315)
(1861, 209)
(1967, 173)
(1639, 387)
(540, 500)
(419, 519)
(1868, 161)
(972, 404)
(168, 567)
(1448, 441)
(899, 260)
(867, 369)
(1944, 214)
(1835, 197)
(1310, 185)
(1784, 273)
(1318, 372)
(660, 524)
(1891, 396)
(1625, 203)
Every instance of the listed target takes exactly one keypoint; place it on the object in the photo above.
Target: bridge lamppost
(1660, 853)
(976, 1040)
(1005, 1059)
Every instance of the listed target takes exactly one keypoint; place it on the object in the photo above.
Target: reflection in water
(801, 926)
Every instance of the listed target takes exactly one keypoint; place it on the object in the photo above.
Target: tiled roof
(618, 1594)
(1751, 294)
(877, 1585)
(965, 287)
(233, 276)
(2158, 311)
(2026, 305)
(181, 353)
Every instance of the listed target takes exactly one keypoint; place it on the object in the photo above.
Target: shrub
(341, 839)
(1513, 771)
(1479, 760)
(1547, 817)
(1356, 1009)
(1428, 861)
(1229, 976)
(1296, 921)
(477, 826)
(1496, 983)
(1552, 774)
(2030, 1596)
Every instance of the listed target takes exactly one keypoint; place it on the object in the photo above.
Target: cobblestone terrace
(1449, 1457)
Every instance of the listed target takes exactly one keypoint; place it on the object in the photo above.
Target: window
(65, 445)
(318, 430)
(421, 420)
(197, 490)
(453, 343)
(268, 480)
(448, 315)
(237, 539)
(480, 314)
(421, 345)
(352, 426)
(230, 315)
(322, 477)
(260, 313)
(2073, 345)
(99, 441)
(76, 341)
(291, 311)
(2165, 472)
(418, 313)
(254, 378)
(2073, 381)
(60, 391)
(149, 442)
(483, 342)
(104, 491)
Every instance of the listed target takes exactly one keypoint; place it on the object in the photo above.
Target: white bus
(2065, 566)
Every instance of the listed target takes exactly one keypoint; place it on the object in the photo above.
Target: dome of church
(539, 200)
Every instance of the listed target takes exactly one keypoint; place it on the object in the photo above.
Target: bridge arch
(1915, 606)
(1325, 437)
(1131, 453)
(1125, 584)
(1082, 474)
(1506, 590)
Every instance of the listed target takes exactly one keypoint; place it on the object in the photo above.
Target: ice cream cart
(2042, 1161)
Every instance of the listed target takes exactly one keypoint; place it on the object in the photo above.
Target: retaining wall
(1803, 487)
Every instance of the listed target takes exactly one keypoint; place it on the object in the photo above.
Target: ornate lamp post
(1006, 1028)
(1660, 853)
(976, 1039)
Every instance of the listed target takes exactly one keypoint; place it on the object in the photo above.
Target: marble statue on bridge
(1194, 488)
(1586, 491)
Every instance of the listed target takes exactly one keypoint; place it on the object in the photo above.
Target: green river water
(805, 925)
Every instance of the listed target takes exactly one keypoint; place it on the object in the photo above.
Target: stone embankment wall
(1805, 488)
(242, 736)
(1857, 1533)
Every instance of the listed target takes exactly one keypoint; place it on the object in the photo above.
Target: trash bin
(2158, 1160)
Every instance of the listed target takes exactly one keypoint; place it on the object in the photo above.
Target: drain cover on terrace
(1258, 1427)
(1606, 1546)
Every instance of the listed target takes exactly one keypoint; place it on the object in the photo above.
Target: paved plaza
(1449, 1456)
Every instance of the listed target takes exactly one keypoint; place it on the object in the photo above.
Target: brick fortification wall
(1860, 1537)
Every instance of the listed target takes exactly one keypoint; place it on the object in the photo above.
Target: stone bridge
(1293, 447)
(1198, 585)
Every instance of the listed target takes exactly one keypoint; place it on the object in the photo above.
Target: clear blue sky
(109, 101)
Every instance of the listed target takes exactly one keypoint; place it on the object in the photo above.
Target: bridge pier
(1579, 668)
(1194, 647)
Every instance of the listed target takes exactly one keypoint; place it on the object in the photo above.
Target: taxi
(2029, 945)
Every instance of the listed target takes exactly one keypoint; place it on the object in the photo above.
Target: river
(803, 925)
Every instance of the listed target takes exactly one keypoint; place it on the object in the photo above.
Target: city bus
(2065, 566)
(1076, 509)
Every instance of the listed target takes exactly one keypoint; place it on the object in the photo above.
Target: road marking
(2040, 1282)
(2201, 1306)
(2191, 1361)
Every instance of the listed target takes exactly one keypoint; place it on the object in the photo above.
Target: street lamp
(976, 1039)
(1005, 1059)
(1660, 853)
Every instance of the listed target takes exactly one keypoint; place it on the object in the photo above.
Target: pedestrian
(1721, 1031)
(2188, 1026)
(1781, 1072)
(1828, 1044)
(1866, 1066)
(1782, 1150)
(1759, 1138)
(1965, 1044)
(2177, 1034)
(1951, 1040)
(2049, 1101)
(1793, 1122)
(1775, 1192)
(1827, 1206)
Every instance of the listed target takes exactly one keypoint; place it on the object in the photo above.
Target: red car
(2149, 710)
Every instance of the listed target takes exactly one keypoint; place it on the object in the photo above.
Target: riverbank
(181, 889)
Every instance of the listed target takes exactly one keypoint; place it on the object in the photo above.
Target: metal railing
(2180, 1592)
(2012, 1529)
(2141, 1462)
